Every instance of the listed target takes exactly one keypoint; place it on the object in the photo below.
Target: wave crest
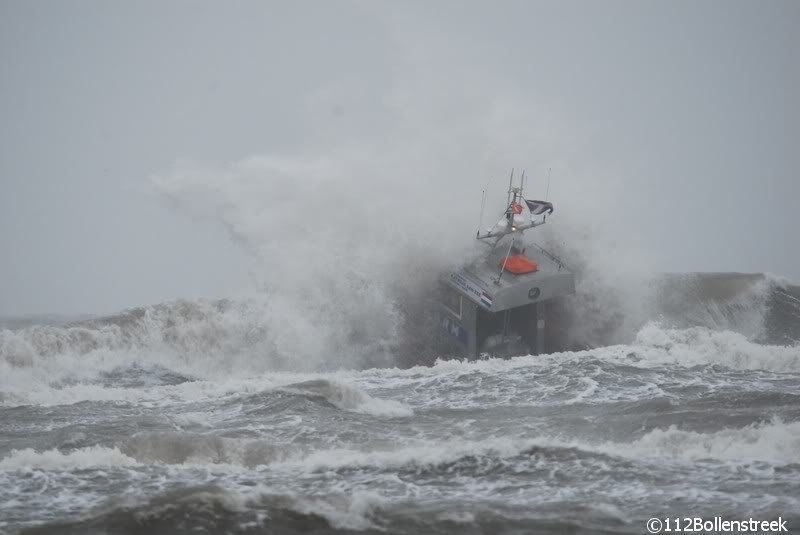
(701, 346)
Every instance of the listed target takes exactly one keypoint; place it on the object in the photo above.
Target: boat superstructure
(497, 304)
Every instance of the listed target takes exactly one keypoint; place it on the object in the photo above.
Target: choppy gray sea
(108, 428)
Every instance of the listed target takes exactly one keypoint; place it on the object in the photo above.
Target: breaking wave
(211, 338)
(774, 442)
(186, 330)
(90, 457)
(352, 288)
(208, 508)
(701, 346)
(349, 398)
(611, 308)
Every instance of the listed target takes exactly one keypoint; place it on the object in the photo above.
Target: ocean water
(192, 417)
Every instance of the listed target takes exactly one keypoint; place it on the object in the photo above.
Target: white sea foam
(351, 512)
(47, 377)
(420, 455)
(90, 457)
(350, 398)
(774, 441)
(195, 338)
(700, 345)
(334, 387)
(147, 396)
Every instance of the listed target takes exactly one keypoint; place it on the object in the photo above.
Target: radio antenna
(510, 180)
(480, 221)
(547, 195)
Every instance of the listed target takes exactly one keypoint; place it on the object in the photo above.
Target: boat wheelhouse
(498, 304)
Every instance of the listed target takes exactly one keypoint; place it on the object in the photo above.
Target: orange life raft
(518, 264)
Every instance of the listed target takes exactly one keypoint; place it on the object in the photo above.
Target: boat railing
(551, 256)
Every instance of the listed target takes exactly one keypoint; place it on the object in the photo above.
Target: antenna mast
(480, 221)
(547, 195)
(510, 179)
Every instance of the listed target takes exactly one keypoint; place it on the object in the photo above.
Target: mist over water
(314, 403)
(349, 238)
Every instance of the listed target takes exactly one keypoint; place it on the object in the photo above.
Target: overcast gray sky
(686, 114)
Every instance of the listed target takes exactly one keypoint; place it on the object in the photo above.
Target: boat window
(452, 300)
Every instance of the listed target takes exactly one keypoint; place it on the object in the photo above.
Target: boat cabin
(497, 304)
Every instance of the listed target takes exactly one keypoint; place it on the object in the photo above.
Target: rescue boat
(498, 304)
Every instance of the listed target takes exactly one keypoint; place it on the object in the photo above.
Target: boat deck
(551, 280)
